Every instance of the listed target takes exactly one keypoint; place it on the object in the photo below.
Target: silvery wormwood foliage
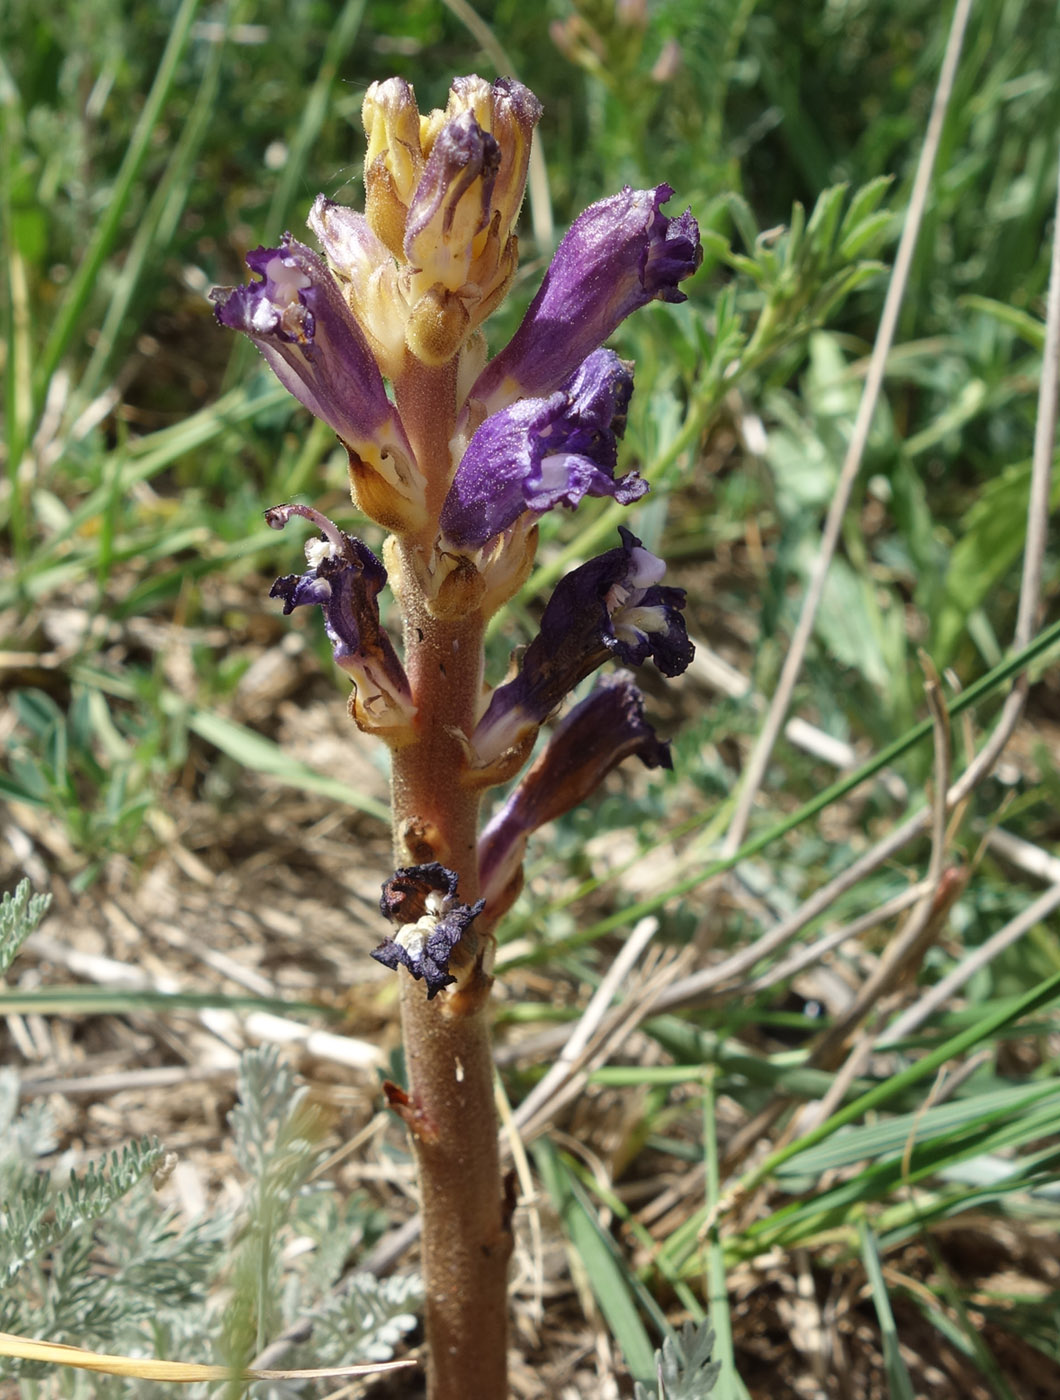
(96, 1260)
(20, 913)
(686, 1371)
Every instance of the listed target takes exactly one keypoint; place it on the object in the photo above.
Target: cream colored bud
(393, 160)
(437, 327)
(391, 123)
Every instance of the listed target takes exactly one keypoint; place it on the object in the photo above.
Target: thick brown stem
(449, 1106)
(465, 1241)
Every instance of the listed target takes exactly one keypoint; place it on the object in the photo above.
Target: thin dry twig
(586, 1026)
(716, 981)
(759, 760)
(904, 950)
(907, 948)
(1031, 859)
(936, 996)
(632, 1012)
(99, 1086)
(813, 953)
(1026, 620)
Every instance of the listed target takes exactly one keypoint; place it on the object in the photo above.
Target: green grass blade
(342, 35)
(604, 1271)
(249, 748)
(158, 224)
(984, 1031)
(256, 752)
(878, 1140)
(102, 241)
(1048, 638)
(728, 1385)
(899, 1384)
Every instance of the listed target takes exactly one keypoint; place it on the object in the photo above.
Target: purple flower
(345, 577)
(421, 900)
(611, 607)
(617, 256)
(589, 742)
(298, 319)
(540, 453)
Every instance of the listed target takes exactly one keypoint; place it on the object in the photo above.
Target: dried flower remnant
(345, 578)
(421, 901)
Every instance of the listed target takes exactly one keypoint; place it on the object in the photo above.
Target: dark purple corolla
(344, 578)
(613, 607)
(617, 256)
(588, 743)
(421, 901)
(541, 453)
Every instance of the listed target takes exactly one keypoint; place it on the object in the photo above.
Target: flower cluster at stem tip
(392, 312)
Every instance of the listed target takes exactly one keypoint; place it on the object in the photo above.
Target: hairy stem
(450, 1108)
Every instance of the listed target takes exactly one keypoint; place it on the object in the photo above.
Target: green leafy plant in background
(138, 498)
(80, 768)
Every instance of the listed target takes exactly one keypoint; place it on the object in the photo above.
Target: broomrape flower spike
(458, 457)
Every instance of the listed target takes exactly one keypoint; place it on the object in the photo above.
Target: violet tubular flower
(297, 317)
(421, 901)
(588, 743)
(345, 578)
(619, 255)
(614, 606)
(543, 452)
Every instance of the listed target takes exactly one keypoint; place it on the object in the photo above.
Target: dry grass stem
(938, 995)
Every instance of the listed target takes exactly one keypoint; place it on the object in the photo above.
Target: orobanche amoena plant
(458, 459)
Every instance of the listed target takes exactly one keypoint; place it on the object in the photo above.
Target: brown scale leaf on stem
(415, 1119)
(423, 842)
